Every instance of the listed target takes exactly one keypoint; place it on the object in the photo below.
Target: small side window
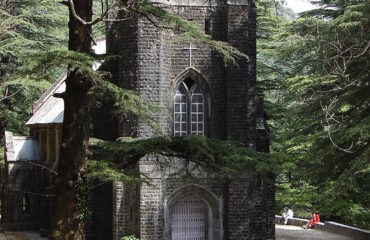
(25, 203)
(207, 26)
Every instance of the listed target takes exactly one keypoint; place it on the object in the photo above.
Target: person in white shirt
(288, 214)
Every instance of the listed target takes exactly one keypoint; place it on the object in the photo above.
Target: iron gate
(189, 218)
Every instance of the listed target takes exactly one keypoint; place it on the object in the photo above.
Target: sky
(299, 5)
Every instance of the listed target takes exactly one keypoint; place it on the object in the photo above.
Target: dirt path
(20, 236)
(298, 233)
(282, 233)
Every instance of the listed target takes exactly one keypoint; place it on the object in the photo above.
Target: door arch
(211, 208)
(189, 218)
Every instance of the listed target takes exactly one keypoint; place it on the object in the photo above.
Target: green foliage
(322, 127)
(2, 160)
(27, 28)
(302, 199)
(125, 102)
(317, 99)
(30, 26)
(82, 197)
(130, 238)
(211, 155)
(106, 171)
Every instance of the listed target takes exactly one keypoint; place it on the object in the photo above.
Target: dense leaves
(27, 29)
(324, 133)
(314, 71)
(210, 155)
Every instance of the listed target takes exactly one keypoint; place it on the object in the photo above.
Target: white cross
(190, 48)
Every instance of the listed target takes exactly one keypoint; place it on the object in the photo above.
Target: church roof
(49, 109)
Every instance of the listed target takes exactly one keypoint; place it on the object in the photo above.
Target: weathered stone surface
(154, 66)
(154, 63)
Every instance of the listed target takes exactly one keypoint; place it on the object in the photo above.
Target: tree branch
(6, 96)
(330, 117)
(71, 6)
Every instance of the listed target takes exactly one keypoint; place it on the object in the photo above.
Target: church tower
(197, 95)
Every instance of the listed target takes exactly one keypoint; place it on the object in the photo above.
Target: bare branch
(40, 166)
(7, 95)
(331, 117)
(13, 189)
(364, 51)
(116, 20)
(71, 5)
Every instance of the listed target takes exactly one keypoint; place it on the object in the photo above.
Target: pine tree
(326, 129)
(27, 29)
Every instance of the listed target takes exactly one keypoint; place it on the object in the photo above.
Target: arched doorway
(196, 206)
(189, 218)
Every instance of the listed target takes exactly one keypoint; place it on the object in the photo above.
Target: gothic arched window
(188, 109)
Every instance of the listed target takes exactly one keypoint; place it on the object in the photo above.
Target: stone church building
(197, 95)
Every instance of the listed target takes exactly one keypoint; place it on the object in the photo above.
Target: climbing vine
(82, 197)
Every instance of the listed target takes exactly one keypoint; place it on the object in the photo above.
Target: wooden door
(188, 218)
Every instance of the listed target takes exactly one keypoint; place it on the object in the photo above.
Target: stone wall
(243, 203)
(241, 80)
(166, 183)
(153, 63)
(21, 197)
(118, 210)
(100, 224)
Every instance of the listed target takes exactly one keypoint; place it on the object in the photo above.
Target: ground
(298, 233)
(282, 233)
(20, 236)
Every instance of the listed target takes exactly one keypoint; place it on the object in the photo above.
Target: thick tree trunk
(66, 221)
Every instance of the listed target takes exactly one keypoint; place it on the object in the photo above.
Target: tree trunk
(66, 221)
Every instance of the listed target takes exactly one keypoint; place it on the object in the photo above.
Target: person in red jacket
(312, 219)
(315, 218)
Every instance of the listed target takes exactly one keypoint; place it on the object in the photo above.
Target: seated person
(283, 216)
(289, 214)
(315, 218)
(312, 220)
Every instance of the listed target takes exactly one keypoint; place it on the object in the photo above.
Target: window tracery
(189, 109)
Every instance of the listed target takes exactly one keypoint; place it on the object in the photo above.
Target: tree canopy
(313, 69)
(320, 118)
(27, 28)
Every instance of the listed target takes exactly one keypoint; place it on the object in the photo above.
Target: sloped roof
(50, 110)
